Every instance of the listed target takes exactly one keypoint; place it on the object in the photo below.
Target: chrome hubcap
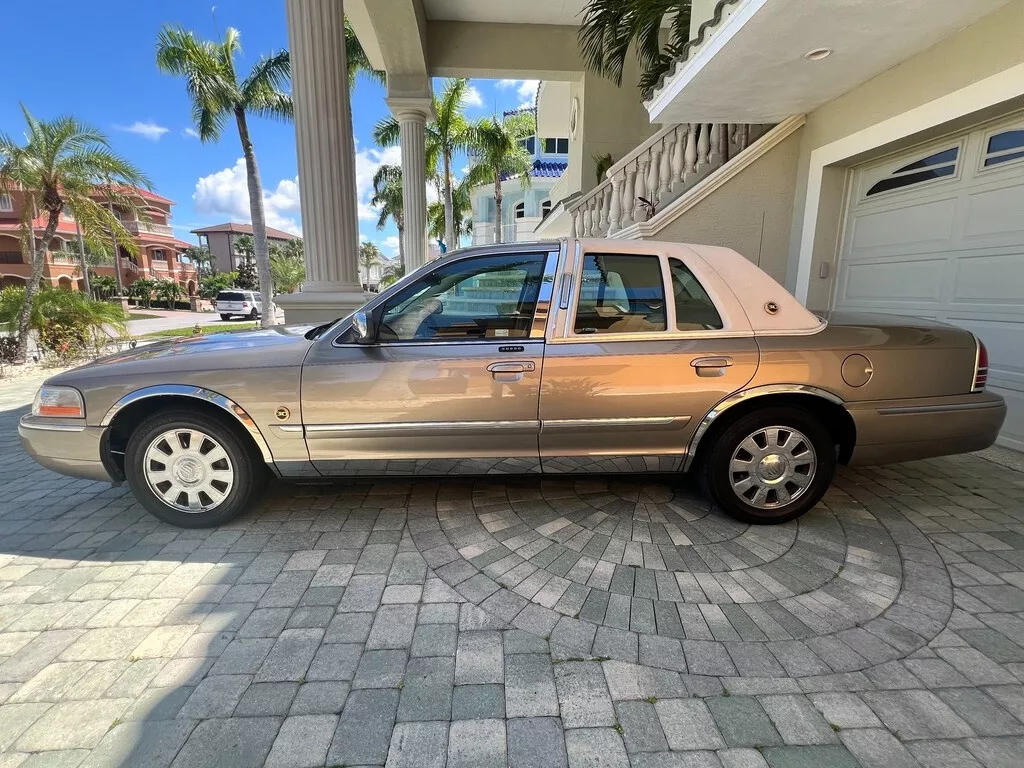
(189, 470)
(772, 467)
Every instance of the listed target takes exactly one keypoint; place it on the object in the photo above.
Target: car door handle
(711, 366)
(510, 371)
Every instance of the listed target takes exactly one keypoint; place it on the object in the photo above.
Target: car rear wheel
(225, 317)
(770, 466)
(191, 470)
(254, 315)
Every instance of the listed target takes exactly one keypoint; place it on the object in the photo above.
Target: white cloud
(367, 163)
(526, 90)
(190, 133)
(226, 193)
(473, 97)
(148, 130)
(390, 244)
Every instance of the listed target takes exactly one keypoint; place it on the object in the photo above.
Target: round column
(412, 114)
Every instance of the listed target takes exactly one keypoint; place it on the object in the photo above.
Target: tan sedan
(572, 356)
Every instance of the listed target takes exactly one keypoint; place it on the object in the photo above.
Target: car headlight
(58, 401)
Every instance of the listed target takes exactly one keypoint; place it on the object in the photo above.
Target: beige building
(868, 154)
(221, 240)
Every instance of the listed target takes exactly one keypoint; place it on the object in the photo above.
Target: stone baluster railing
(660, 170)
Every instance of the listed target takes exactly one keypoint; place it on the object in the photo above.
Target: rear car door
(638, 353)
(452, 383)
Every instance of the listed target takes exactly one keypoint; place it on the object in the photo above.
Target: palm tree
(246, 245)
(393, 272)
(498, 156)
(289, 271)
(461, 207)
(369, 257)
(209, 71)
(61, 165)
(449, 133)
(104, 286)
(169, 291)
(387, 198)
(203, 260)
(611, 28)
(142, 290)
(358, 61)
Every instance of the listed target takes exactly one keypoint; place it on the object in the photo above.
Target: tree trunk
(86, 288)
(401, 248)
(32, 286)
(259, 223)
(498, 225)
(449, 204)
(117, 256)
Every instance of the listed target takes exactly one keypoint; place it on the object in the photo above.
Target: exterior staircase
(657, 174)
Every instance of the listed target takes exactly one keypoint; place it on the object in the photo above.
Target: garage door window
(1004, 147)
(926, 169)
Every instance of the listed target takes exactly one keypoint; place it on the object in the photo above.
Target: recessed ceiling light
(818, 54)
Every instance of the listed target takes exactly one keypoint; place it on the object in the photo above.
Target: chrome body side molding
(744, 396)
(198, 393)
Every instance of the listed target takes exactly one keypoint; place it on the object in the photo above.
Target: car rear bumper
(919, 428)
(70, 449)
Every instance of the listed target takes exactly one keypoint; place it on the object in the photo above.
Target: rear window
(230, 296)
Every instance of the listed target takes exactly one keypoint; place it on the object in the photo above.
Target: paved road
(536, 622)
(179, 319)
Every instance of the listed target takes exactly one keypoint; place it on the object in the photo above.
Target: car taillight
(245, 304)
(980, 368)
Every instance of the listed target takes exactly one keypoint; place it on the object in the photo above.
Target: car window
(621, 293)
(478, 298)
(230, 296)
(694, 309)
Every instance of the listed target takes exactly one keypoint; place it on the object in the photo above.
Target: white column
(412, 115)
(326, 159)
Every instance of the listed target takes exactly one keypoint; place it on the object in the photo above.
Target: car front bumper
(920, 428)
(68, 448)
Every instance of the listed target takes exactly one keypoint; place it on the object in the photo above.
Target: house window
(545, 208)
(159, 255)
(529, 144)
(10, 257)
(556, 146)
(6, 204)
(926, 169)
(520, 209)
(1004, 147)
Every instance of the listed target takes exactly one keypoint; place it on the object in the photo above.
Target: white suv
(246, 303)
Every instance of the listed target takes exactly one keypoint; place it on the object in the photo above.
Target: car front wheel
(770, 466)
(191, 470)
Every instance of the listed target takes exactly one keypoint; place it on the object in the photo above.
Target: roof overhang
(748, 63)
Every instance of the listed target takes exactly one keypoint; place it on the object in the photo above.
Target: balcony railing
(63, 257)
(146, 227)
(660, 170)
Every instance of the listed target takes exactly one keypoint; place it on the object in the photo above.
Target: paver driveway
(524, 622)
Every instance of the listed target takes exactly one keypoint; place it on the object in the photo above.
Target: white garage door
(938, 232)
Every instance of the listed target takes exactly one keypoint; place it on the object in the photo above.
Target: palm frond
(386, 133)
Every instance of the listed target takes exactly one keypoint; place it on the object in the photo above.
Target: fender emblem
(282, 413)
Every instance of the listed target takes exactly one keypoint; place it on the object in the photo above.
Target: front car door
(639, 351)
(451, 384)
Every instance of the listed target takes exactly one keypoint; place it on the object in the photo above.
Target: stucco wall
(983, 49)
(750, 213)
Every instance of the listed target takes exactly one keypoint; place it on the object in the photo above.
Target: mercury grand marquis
(570, 356)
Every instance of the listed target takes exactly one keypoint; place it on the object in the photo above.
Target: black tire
(717, 479)
(254, 315)
(225, 317)
(250, 473)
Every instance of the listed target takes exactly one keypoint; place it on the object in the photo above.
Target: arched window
(926, 169)
(545, 208)
(520, 209)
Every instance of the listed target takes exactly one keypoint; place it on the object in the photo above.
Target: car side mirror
(365, 326)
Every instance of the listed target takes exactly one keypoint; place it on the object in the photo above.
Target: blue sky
(96, 63)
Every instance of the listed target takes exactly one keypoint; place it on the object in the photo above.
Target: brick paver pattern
(528, 622)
